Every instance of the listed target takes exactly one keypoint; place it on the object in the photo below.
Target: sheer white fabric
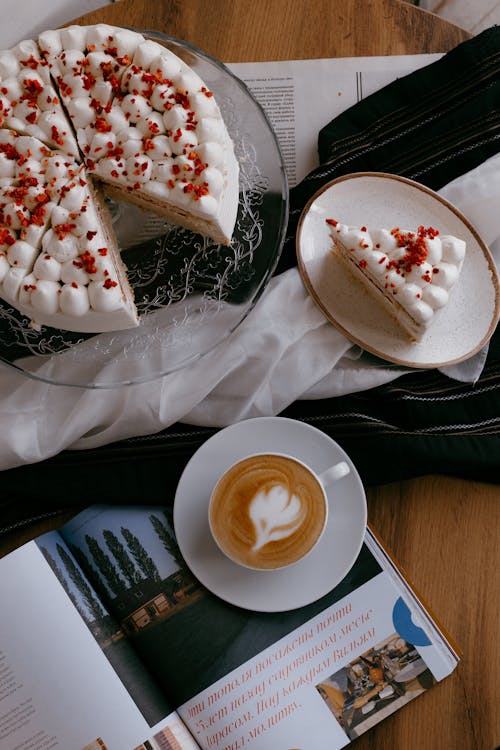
(283, 351)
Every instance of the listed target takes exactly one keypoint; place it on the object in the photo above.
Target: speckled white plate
(382, 200)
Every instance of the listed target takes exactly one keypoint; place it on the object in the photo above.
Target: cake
(410, 272)
(91, 111)
(59, 264)
(147, 125)
(29, 103)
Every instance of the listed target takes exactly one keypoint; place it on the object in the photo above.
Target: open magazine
(107, 642)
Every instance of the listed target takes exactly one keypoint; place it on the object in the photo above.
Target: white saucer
(377, 199)
(302, 583)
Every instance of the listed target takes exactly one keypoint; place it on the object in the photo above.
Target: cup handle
(334, 472)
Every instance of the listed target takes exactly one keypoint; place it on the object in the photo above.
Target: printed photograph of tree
(105, 629)
(134, 563)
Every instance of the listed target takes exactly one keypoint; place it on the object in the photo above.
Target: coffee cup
(270, 510)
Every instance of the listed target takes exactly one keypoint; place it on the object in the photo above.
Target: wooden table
(444, 532)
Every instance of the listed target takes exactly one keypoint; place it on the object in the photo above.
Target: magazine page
(321, 674)
(301, 96)
(68, 677)
(186, 636)
(328, 681)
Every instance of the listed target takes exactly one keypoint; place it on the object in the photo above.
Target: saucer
(301, 583)
(378, 199)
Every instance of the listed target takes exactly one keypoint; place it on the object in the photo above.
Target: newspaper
(301, 96)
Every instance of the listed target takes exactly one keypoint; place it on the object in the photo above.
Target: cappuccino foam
(267, 511)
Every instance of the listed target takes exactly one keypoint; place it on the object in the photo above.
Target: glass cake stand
(190, 292)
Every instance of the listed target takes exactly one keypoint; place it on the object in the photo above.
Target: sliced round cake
(91, 109)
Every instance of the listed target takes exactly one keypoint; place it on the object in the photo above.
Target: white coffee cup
(269, 510)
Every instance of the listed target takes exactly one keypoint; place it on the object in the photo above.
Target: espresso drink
(267, 511)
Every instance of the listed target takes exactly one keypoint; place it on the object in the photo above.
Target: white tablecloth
(271, 360)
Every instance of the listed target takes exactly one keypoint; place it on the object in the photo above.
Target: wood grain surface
(250, 30)
(444, 532)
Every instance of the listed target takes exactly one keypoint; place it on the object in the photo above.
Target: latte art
(275, 514)
(267, 511)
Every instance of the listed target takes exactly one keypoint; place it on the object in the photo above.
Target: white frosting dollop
(74, 299)
(453, 249)
(211, 129)
(162, 170)
(104, 299)
(9, 65)
(22, 255)
(47, 268)
(159, 148)
(211, 153)
(139, 168)
(446, 276)
(136, 107)
(126, 41)
(50, 42)
(28, 284)
(175, 118)
(12, 281)
(203, 105)
(73, 270)
(207, 206)
(15, 215)
(81, 112)
(435, 296)
(181, 139)
(60, 248)
(116, 118)
(162, 96)
(145, 53)
(166, 64)
(422, 312)
(100, 36)
(74, 37)
(7, 166)
(45, 297)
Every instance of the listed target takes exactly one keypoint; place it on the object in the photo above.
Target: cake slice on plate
(147, 126)
(410, 272)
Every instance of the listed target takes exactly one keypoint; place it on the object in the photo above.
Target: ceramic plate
(382, 200)
(302, 583)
